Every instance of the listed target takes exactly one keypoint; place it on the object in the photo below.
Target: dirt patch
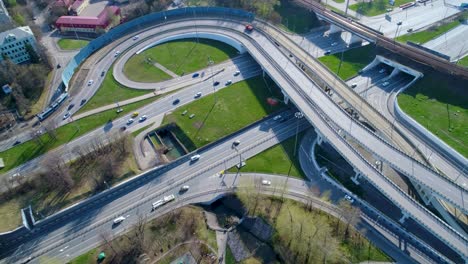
(78, 81)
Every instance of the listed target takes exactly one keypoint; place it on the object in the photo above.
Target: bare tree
(57, 173)
(350, 214)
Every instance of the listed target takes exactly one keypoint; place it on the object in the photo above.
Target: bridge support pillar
(334, 29)
(403, 217)
(356, 177)
(320, 138)
(354, 39)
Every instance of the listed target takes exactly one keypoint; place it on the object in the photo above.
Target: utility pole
(210, 64)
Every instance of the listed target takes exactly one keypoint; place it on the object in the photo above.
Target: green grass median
(111, 92)
(376, 7)
(72, 44)
(353, 61)
(179, 56)
(29, 150)
(224, 112)
(441, 106)
(429, 34)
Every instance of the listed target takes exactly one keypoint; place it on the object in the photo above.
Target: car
(195, 157)
(236, 143)
(70, 106)
(195, 75)
(349, 198)
(389, 9)
(142, 118)
(278, 118)
(228, 82)
(102, 73)
(176, 101)
(399, 23)
(409, 30)
(236, 73)
(197, 94)
(59, 66)
(353, 85)
(135, 114)
(129, 121)
(123, 128)
(328, 52)
(266, 182)
(117, 53)
(136, 37)
(385, 84)
(83, 101)
(382, 70)
(17, 142)
(184, 188)
(334, 44)
(67, 115)
(34, 18)
(90, 82)
(216, 83)
(119, 220)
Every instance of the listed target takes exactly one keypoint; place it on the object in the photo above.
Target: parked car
(266, 182)
(119, 220)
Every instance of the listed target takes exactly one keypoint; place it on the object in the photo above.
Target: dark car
(123, 128)
(17, 142)
(71, 106)
(195, 75)
(83, 101)
(176, 101)
(327, 52)
(102, 73)
(59, 66)
(216, 83)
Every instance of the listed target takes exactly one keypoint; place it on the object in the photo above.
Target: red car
(248, 27)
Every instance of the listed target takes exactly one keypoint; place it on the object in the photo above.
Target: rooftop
(101, 19)
(19, 33)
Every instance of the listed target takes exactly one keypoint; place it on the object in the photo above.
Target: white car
(278, 118)
(184, 188)
(228, 82)
(195, 157)
(117, 53)
(143, 118)
(236, 143)
(198, 95)
(334, 44)
(236, 73)
(353, 85)
(381, 70)
(136, 37)
(266, 182)
(67, 115)
(119, 220)
(90, 82)
(130, 121)
(385, 84)
(349, 198)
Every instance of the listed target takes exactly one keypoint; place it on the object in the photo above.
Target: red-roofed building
(78, 6)
(89, 24)
(63, 3)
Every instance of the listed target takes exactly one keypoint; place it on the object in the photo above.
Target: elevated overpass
(364, 32)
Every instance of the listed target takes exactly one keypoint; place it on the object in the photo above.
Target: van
(195, 157)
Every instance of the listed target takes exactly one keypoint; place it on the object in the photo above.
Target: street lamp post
(298, 116)
(210, 64)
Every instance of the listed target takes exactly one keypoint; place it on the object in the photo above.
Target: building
(13, 44)
(78, 6)
(4, 16)
(63, 3)
(89, 24)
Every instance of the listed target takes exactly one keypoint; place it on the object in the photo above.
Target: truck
(163, 201)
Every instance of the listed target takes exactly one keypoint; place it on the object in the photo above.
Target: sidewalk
(166, 70)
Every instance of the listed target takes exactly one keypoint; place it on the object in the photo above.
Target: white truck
(163, 201)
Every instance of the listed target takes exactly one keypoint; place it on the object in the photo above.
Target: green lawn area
(442, 107)
(427, 35)
(339, 1)
(276, 160)
(236, 106)
(110, 92)
(72, 44)
(229, 257)
(353, 61)
(24, 152)
(180, 56)
(375, 7)
(295, 18)
(463, 62)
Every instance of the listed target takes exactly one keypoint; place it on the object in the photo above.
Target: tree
(350, 214)
(57, 174)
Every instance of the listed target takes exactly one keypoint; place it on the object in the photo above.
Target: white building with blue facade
(13, 44)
